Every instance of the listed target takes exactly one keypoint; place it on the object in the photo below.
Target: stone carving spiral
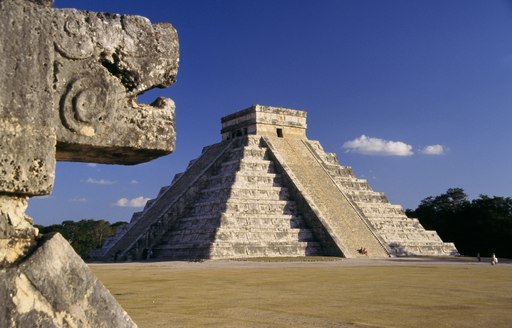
(75, 42)
(85, 106)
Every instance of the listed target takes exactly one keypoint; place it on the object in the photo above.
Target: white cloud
(42, 197)
(134, 202)
(134, 182)
(100, 182)
(92, 164)
(78, 200)
(433, 150)
(376, 146)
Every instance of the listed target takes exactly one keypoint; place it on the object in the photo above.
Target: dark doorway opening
(279, 132)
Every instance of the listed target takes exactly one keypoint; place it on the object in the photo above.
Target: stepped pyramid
(267, 190)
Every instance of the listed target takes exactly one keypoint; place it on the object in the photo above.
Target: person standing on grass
(494, 259)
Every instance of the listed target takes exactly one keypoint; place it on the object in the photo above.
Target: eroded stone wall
(68, 92)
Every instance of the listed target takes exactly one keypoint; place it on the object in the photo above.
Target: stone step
(384, 218)
(384, 210)
(253, 141)
(237, 222)
(255, 152)
(399, 219)
(244, 218)
(176, 177)
(262, 192)
(416, 236)
(262, 234)
(368, 199)
(256, 174)
(366, 196)
(246, 148)
(422, 249)
(136, 216)
(398, 229)
(162, 190)
(239, 207)
(254, 165)
(412, 243)
(266, 250)
(149, 203)
(341, 171)
(224, 233)
(236, 236)
(235, 244)
(245, 179)
(262, 220)
(182, 253)
(395, 223)
(263, 206)
(237, 250)
(364, 192)
(248, 152)
(352, 183)
(233, 154)
(207, 208)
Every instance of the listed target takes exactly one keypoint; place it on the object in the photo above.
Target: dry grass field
(325, 293)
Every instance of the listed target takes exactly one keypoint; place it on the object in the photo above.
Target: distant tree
(84, 235)
(491, 219)
(483, 225)
(442, 212)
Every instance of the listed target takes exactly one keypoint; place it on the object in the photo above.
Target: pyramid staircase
(346, 225)
(404, 236)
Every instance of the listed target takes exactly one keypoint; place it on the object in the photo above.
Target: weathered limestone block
(102, 63)
(68, 91)
(17, 234)
(53, 287)
(27, 121)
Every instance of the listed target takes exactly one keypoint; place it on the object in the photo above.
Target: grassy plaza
(323, 293)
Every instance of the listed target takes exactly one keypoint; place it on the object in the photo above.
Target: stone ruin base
(53, 287)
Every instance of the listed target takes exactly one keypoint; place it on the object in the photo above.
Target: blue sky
(381, 82)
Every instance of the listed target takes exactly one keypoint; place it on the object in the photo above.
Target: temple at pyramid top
(266, 190)
(265, 121)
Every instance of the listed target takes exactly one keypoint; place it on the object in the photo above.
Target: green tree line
(482, 225)
(84, 235)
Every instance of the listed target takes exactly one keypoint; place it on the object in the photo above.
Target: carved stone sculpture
(68, 91)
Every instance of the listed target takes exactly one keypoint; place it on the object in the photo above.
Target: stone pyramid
(266, 190)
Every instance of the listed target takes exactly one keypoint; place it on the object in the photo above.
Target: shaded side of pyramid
(266, 190)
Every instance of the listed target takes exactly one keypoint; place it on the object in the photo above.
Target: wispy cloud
(134, 182)
(42, 197)
(433, 150)
(100, 181)
(92, 164)
(376, 146)
(78, 200)
(134, 202)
